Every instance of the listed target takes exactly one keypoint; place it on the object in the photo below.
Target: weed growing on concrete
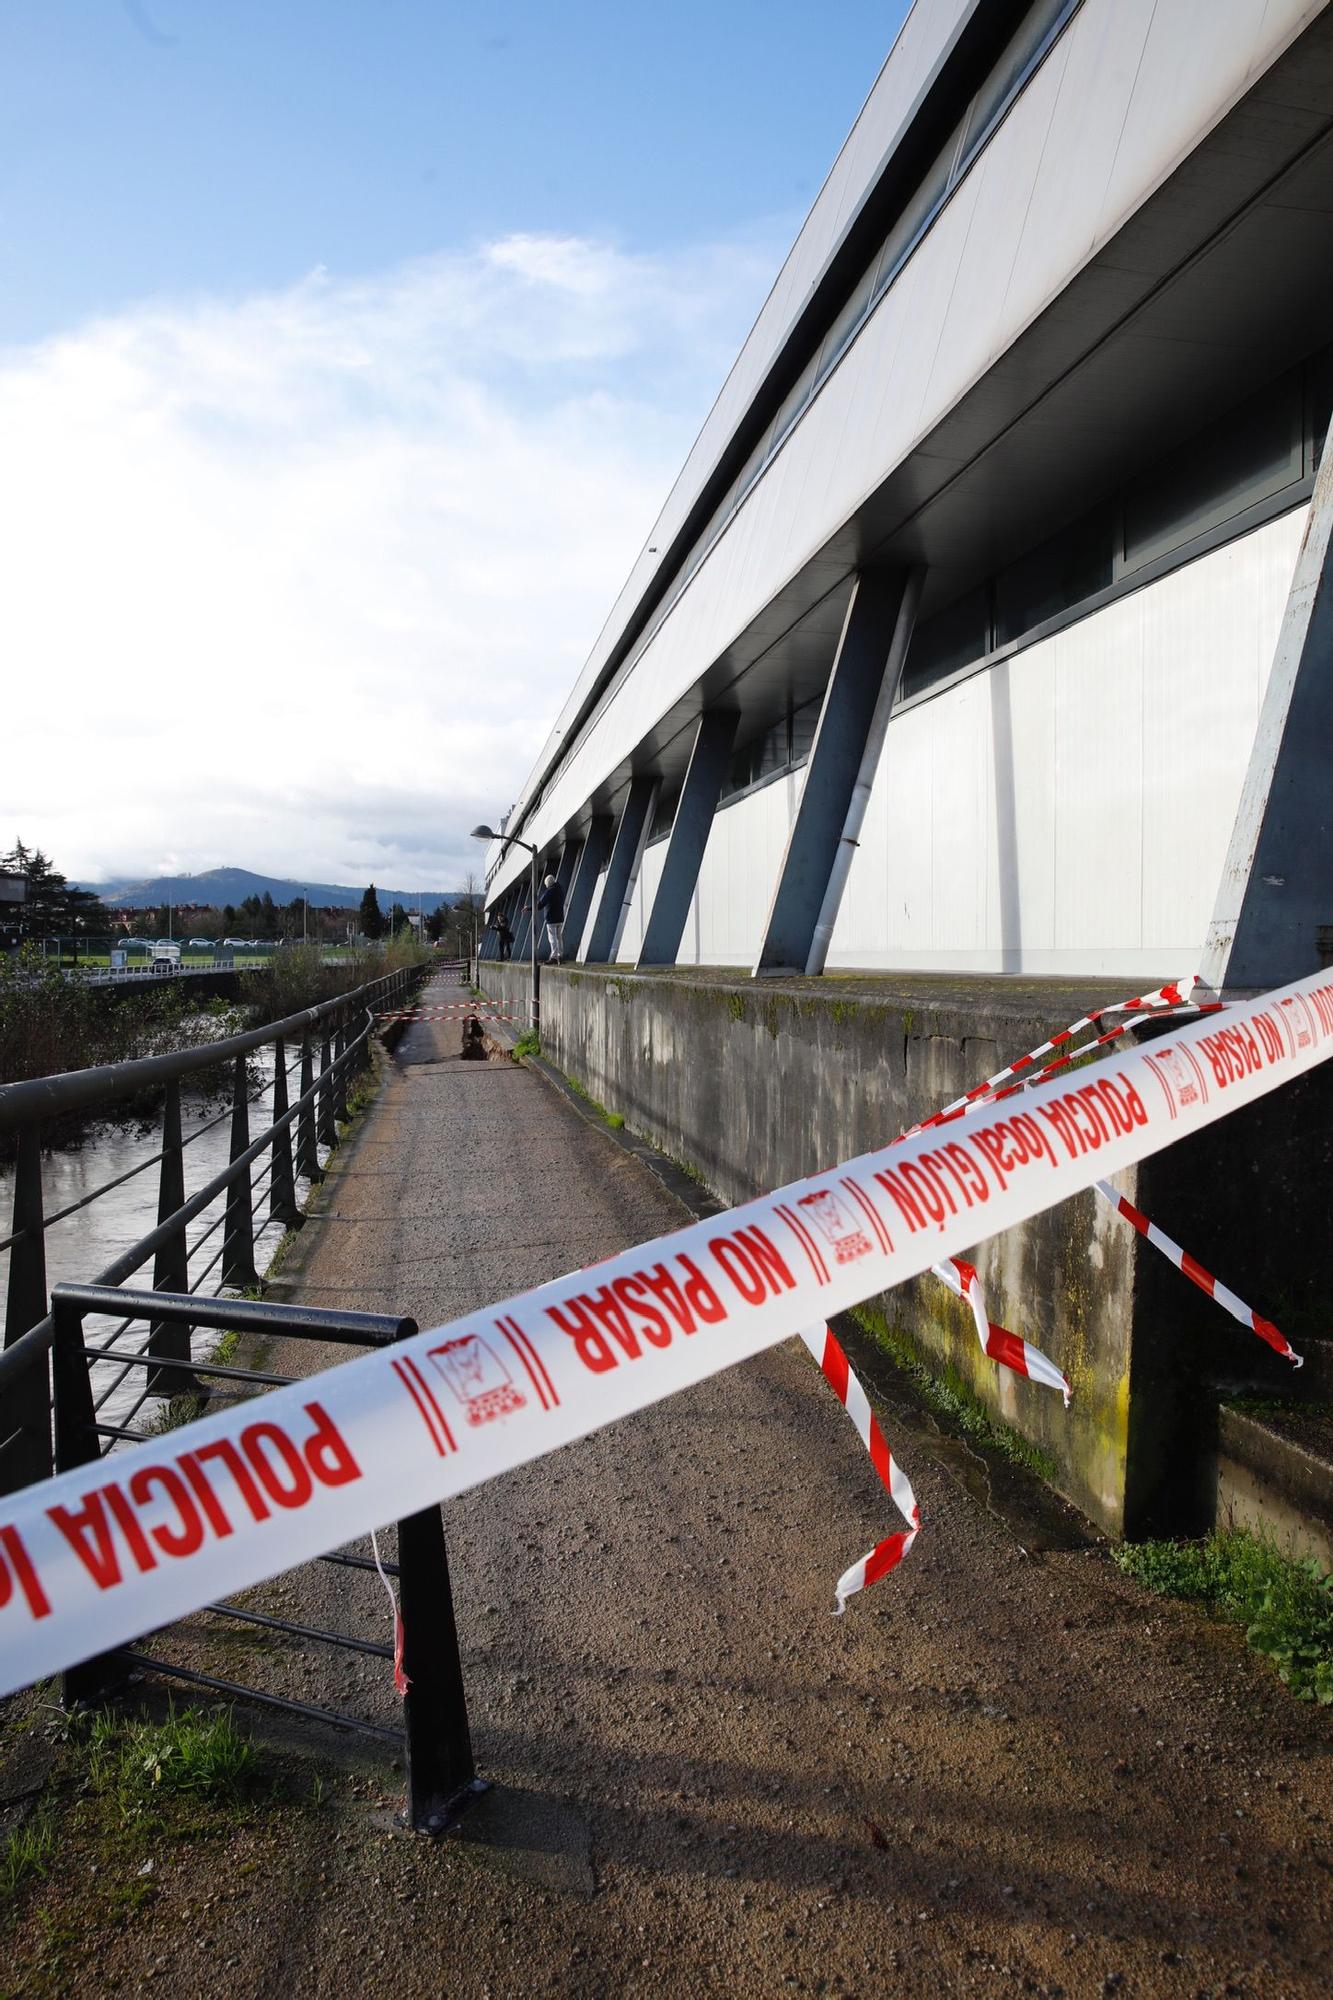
(170, 1415)
(948, 1397)
(1285, 1606)
(736, 1006)
(529, 1043)
(26, 1854)
(129, 1761)
(611, 1118)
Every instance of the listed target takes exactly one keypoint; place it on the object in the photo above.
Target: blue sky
(249, 249)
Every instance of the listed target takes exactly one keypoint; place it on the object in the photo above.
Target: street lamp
(512, 840)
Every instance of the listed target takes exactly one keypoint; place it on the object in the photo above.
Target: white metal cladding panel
(935, 331)
(737, 875)
(926, 32)
(593, 907)
(1069, 809)
(641, 900)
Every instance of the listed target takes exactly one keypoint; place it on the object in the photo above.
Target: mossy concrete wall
(753, 1085)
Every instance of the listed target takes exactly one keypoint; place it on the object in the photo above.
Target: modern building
(949, 646)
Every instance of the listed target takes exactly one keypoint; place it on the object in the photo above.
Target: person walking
(503, 935)
(551, 903)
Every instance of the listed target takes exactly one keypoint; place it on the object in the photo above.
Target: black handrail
(312, 1118)
(42, 1097)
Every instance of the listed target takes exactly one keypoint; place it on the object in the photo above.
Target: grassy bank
(51, 1024)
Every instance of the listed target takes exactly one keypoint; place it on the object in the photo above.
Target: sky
(348, 349)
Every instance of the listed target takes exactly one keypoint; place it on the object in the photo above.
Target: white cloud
(298, 582)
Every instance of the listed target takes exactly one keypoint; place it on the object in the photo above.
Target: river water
(79, 1247)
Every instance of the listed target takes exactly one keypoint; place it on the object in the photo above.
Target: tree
(397, 920)
(52, 907)
(372, 917)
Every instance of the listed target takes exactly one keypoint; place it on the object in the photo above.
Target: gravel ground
(999, 1772)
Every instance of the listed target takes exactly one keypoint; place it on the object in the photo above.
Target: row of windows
(1267, 451)
(1026, 49)
(780, 748)
(1263, 454)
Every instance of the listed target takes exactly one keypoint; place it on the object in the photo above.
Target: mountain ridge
(220, 886)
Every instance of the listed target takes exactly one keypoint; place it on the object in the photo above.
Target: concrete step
(1275, 1475)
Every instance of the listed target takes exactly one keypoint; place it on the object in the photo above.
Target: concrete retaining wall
(755, 1085)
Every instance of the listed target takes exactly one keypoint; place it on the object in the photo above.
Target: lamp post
(512, 840)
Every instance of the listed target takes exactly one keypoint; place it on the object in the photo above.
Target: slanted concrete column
(579, 901)
(622, 873)
(503, 906)
(873, 644)
(521, 925)
(689, 836)
(1273, 917)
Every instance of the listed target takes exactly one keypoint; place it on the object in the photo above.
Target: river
(84, 1243)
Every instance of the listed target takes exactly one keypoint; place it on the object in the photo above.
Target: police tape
(101, 1554)
(460, 1010)
(1195, 1272)
(1184, 1262)
(1173, 999)
(823, 1343)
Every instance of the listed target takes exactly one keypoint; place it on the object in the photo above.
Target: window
(952, 639)
(1073, 565)
(779, 748)
(664, 814)
(1251, 455)
(1251, 464)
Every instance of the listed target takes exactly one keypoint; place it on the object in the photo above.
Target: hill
(220, 886)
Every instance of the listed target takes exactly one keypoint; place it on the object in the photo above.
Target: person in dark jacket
(551, 903)
(504, 937)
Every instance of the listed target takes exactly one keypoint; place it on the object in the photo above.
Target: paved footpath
(998, 1773)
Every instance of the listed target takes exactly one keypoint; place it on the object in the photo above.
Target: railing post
(171, 1270)
(238, 1231)
(27, 1406)
(282, 1180)
(76, 1444)
(307, 1152)
(26, 1301)
(340, 1073)
(328, 1131)
(441, 1773)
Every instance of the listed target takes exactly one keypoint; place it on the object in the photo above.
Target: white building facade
(948, 649)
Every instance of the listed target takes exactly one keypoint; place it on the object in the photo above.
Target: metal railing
(435, 1737)
(321, 1046)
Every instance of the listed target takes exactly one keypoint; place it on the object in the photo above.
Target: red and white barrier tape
(458, 1013)
(102, 1553)
(1195, 1271)
(885, 1555)
(1166, 1000)
(1181, 1258)
(1007, 1348)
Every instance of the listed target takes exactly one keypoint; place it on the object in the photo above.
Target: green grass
(130, 1762)
(1285, 1606)
(949, 1398)
(611, 1118)
(26, 1854)
(529, 1043)
(170, 1415)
